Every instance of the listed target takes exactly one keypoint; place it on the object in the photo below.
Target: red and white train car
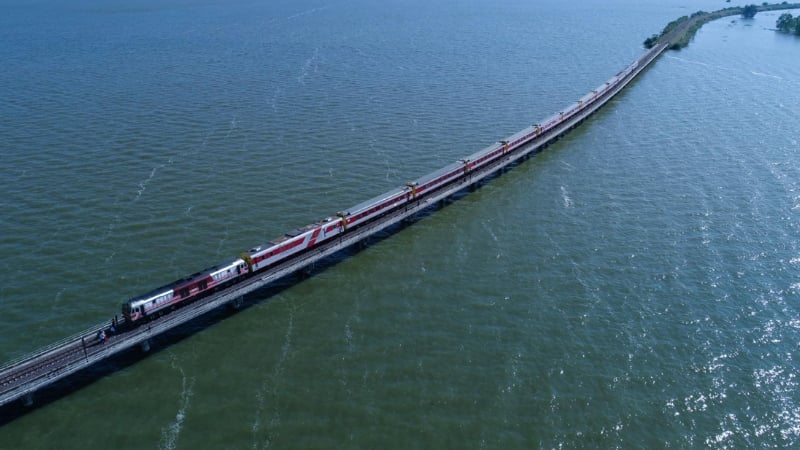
(184, 290)
(303, 239)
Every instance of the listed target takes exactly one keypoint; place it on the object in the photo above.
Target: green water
(635, 285)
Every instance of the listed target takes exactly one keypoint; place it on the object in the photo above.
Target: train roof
(284, 237)
(436, 174)
(167, 288)
(377, 200)
(480, 153)
(298, 231)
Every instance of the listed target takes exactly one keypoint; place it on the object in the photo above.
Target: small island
(786, 23)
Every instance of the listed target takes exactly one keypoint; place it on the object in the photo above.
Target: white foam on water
(261, 396)
(698, 63)
(170, 433)
(759, 74)
(143, 184)
(565, 196)
(310, 66)
(307, 12)
(233, 126)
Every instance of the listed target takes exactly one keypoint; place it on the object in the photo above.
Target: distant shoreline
(699, 19)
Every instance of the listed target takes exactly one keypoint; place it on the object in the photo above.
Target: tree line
(749, 11)
(786, 23)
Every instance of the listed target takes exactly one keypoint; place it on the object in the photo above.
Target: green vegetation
(652, 40)
(700, 18)
(788, 24)
(674, 24)
(749, 11)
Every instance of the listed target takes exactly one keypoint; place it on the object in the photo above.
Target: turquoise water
(635, 285)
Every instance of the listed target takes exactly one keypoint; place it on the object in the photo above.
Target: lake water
(635, 285)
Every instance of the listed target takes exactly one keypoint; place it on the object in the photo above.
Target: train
(299, 241)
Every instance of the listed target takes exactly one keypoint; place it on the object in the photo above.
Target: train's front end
(132, 312)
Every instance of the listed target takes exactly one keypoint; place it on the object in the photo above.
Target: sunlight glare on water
(635, 285)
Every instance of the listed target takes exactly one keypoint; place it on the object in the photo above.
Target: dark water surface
(636, 285)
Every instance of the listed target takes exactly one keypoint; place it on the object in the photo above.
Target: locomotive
(184, 291)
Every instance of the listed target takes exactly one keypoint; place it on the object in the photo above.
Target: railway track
(20, 378)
